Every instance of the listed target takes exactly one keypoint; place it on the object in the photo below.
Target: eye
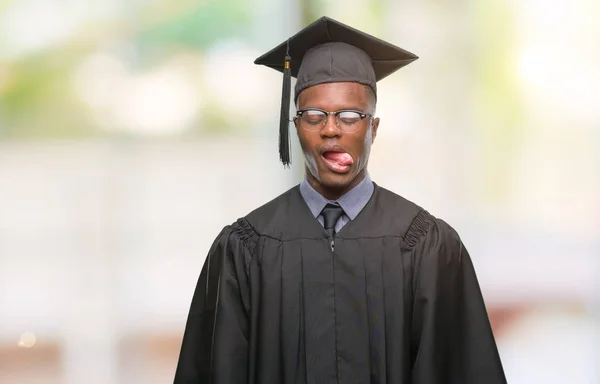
(349, 117)
(313, 117)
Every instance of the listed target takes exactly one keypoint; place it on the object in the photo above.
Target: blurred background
(132, 131)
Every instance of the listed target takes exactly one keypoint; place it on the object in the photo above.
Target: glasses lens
(349, 117)
(349, 121)
(312, 120)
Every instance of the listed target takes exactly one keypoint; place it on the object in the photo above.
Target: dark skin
(334, 97)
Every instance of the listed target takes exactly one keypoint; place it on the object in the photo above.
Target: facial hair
(311, 164)
(364, 159)
(361, 162)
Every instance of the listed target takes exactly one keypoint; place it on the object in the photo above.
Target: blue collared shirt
(352, 202)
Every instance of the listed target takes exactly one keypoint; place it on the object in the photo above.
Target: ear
(296, 124)
(374, 127)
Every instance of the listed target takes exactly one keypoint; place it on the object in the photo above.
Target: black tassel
(284, 123)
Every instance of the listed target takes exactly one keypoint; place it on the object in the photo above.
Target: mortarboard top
(328, 51)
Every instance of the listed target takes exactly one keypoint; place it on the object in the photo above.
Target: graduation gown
(393, 298)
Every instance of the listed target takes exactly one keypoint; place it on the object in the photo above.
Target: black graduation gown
(396, 301)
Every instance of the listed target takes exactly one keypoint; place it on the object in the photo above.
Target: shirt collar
(352, 202)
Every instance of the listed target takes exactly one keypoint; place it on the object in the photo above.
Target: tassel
(284, 122)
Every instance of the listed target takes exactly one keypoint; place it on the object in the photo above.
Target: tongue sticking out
(341, 158)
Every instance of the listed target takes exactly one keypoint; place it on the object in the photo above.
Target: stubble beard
(362, 162)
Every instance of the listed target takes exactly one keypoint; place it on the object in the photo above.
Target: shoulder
(396, 215)
(395, 204)
(421, 225)
(431, 234)
(264, 215)
(433, 240)
(235, 236)
(271, 218)
(275, 214)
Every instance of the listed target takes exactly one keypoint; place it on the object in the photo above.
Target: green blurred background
(131, 131)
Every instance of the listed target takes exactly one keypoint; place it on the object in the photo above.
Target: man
(338, 280)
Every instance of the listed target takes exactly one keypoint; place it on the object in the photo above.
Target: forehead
(334, 96)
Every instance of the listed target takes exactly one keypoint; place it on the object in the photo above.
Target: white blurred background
(132, 131)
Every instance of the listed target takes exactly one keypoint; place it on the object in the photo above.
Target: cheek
(362, 149)
(361, 143)
(301, 137)
(307, 140)
(368, 139)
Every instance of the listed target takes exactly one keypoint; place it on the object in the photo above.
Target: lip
(331, 148)
(332, 165)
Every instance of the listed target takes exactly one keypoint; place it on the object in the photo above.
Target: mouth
(336, 159)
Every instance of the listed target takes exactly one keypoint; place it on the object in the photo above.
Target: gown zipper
(332, 244)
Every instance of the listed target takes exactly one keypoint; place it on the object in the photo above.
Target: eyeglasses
(313, 119)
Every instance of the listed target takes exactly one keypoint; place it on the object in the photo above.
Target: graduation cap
(328, 51)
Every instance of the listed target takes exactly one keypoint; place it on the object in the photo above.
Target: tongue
(341, 158)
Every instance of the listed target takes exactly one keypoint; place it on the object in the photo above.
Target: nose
(330, 129)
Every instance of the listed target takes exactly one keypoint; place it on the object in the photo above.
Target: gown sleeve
(451, 335)
(215, 341)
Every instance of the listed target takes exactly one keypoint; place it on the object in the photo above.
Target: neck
(334, 192)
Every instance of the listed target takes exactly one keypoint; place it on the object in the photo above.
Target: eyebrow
(340, 109)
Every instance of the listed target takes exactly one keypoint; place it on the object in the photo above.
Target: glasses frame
(335, 114)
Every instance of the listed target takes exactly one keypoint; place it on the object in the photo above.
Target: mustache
(331, 148)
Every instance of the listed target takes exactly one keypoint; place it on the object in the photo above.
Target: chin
(337, 180)
(328, 178)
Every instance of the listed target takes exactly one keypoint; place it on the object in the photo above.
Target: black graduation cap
(328, 51)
